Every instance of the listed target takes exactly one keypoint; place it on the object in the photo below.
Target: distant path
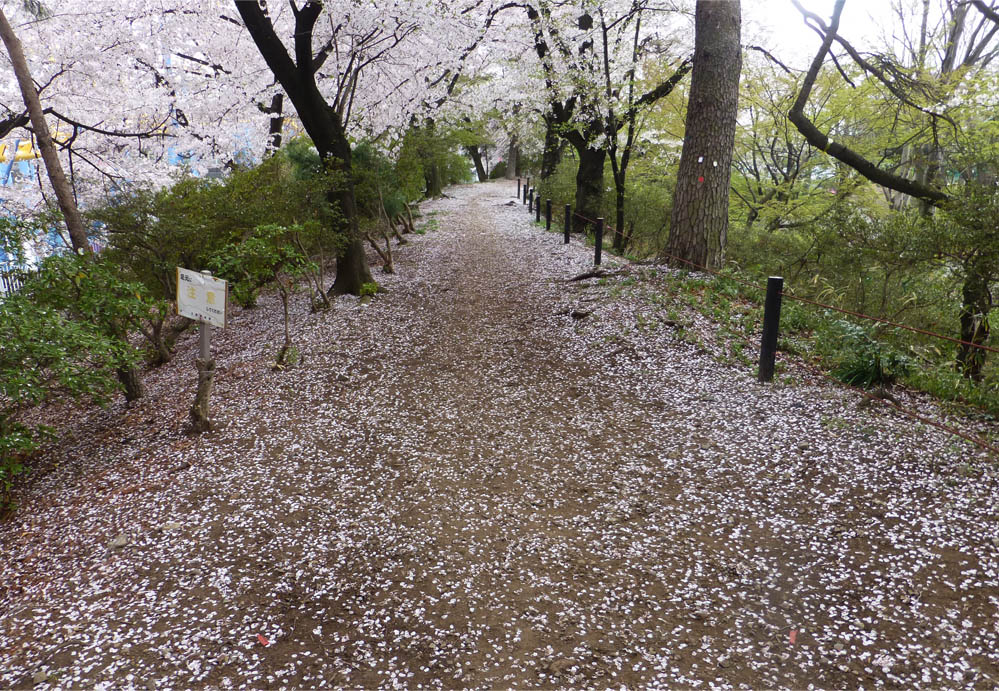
(464, 485)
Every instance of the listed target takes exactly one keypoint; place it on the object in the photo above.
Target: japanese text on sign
(201, 297)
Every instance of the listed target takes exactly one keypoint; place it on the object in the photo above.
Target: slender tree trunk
(589, 186)
(619, 217)
(476, 155)
(699, 221)
(60, 185)
(975, 308)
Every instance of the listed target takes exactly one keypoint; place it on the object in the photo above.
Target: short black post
(771, 323)
(598, 246)
(518, 188)
(537, 208)
(525, 192)
(530, 201)
(568, 221)
(548, 215)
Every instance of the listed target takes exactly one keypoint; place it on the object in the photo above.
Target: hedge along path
(490, 476)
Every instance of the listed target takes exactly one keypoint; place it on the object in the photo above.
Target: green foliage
(92, 290)
(867, 362)
(14, 234)
(152, 232)
(259, 258)
(369, 290)
(430, 157)
(376, 183)
(46, 351)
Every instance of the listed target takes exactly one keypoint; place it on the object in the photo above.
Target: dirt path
(464, 485)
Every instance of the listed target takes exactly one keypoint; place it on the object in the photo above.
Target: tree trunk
(589, 186)
(323, 123)
(699, 221)
(352, 270)
(276, 128)
(513, 159)
(60, 185)
(476, 155)
(432, 175)
(552, 154)
(618, 244)
(131, 380)
(975, 308)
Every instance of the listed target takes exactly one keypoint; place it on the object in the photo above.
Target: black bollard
(548, 215)
(598, 246)
(518, 188)
(530, 201)
(568, 221)
(537, 208)
(771, 324)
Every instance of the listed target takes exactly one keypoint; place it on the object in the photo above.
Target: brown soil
(465, 485)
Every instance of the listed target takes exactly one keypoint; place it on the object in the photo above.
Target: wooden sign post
(201, 296)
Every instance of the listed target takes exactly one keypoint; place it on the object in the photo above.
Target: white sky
(779, 24)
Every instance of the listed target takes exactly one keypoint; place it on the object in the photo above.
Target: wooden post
(200, 416)
(598, 246)
(771, 324)
(568, 222)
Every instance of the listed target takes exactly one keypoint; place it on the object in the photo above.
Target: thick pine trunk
(589, 187)
(699, 221)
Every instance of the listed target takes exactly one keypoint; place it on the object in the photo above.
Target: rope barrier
(859, 315)
(897, 325)
(976, 441)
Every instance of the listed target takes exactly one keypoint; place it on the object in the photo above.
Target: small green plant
(369, 289)
(268, 254)
(866, 362)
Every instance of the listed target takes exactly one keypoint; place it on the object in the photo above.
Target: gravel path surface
(489, 476)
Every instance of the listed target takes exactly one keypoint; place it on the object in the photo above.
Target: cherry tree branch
(842, 153)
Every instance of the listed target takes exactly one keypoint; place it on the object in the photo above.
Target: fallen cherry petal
(794, 636)
(264, 642)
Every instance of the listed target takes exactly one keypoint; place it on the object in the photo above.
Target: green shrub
(46, 352)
